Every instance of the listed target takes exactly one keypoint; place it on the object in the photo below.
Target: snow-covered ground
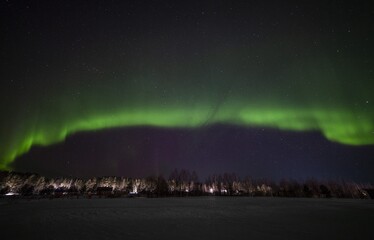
(187, 218)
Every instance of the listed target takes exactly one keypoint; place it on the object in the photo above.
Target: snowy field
(187, 218)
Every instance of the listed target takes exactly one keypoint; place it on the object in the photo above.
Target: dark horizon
(217, 149)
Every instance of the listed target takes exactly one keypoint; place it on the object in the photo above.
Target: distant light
(134, 191)
(211, 190)
(11, 194)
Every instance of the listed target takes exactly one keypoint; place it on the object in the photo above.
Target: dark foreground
(187, 218)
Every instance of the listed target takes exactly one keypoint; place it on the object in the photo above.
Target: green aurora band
(337, 126)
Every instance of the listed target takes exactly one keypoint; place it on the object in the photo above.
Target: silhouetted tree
(27, 190)
(325, 192)
(161, 187)
(307, 192)
(4, 190)
(248, 185)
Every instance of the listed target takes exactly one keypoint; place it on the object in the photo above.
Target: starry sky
(264, 88)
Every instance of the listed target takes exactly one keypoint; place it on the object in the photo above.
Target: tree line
(178, 183)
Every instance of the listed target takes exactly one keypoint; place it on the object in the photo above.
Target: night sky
(264, 88)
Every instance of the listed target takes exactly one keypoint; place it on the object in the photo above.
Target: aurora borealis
(75, 67)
